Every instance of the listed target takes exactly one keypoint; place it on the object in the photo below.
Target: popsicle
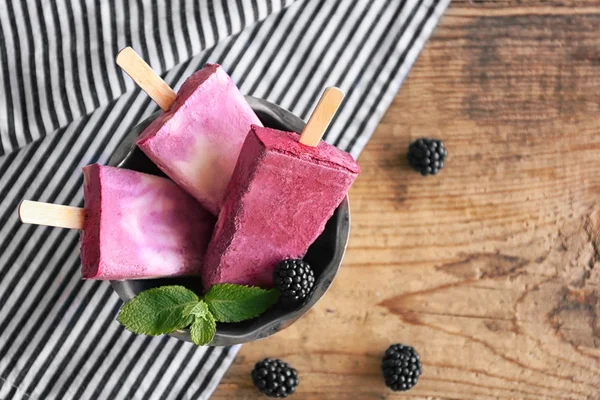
(197, 139)
(134, 226)
(282, 192)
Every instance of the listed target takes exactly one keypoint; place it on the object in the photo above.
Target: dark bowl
(324, 255)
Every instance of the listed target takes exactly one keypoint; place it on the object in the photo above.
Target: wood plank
(490, 269)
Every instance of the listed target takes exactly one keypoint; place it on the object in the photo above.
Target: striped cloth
(64, 104)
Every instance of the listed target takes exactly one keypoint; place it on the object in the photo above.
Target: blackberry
(274, 378)
(295, 280)
(427, 156)
(401, 367)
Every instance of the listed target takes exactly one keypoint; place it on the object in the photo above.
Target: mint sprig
(169, 308)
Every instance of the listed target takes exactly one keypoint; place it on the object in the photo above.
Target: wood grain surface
(491, 270)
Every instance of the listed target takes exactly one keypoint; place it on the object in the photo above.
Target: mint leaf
(158, 311)
(204, 326)
(234, 303)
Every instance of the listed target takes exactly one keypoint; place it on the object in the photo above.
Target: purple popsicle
(140, 226)
(198, 140)
(279, 199)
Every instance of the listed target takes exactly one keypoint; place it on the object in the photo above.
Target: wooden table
(491, 270)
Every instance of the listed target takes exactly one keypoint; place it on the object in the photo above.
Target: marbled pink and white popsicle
(140, 226)
(279, 199)
(198, 140)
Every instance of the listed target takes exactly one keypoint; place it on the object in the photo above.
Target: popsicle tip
(23, 203)
(123, 53)
(336, 90)
(323, 114)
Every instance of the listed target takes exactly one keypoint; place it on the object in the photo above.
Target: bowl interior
(324, 255)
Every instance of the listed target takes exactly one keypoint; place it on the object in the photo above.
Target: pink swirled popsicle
(197, 138)
(134, 225)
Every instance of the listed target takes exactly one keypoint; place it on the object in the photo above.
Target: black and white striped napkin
(64, 104)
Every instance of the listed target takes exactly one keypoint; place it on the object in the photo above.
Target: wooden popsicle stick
(34, 212)
(321, 117)
(146, 78)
